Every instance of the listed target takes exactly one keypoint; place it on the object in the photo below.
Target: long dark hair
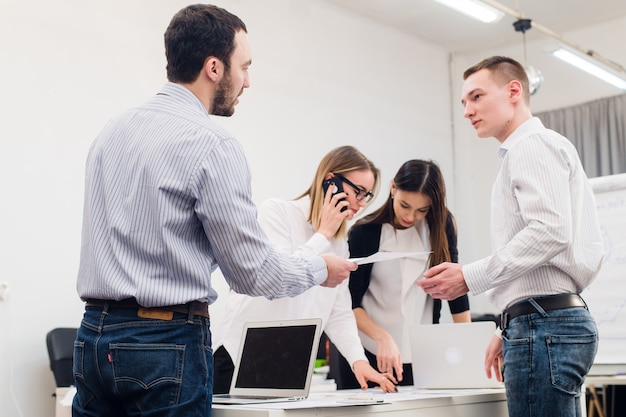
(424, 177)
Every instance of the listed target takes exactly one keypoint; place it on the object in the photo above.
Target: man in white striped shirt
(547, 249)
(167, 201)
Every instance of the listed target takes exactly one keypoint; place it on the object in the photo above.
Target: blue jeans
(546, 358)
(125, 365)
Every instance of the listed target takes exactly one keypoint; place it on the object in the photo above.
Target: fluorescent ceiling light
(588, 64)
(474, 8)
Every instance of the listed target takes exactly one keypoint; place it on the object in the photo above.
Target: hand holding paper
(444, 281)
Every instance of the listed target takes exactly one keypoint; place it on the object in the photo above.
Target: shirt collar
(182, 95)
(534, 123)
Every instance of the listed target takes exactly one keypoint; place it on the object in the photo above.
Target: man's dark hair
(195, 33)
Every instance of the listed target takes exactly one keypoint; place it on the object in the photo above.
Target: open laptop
(275, 362)
(451, 356)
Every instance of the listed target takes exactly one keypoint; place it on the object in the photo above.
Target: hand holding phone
(336, 187)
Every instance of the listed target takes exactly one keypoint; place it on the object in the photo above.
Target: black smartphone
(336, 186)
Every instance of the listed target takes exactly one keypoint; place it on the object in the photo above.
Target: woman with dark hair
(385, 299)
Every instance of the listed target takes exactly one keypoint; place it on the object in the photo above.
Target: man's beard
(223, 104)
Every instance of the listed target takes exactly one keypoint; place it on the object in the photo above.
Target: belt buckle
(504, 320)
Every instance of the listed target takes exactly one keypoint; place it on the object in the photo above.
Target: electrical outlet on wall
(4, 291)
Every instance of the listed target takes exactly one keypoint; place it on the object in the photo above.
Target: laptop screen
(276, 357)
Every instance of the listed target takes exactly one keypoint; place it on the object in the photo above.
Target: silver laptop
(275, 362)
(451, 356)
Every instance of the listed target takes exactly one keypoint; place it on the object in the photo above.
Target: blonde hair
(341, 160)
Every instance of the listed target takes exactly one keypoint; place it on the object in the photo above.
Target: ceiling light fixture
(605, 72)
(473, 8)
(588, 60)
(535, 77)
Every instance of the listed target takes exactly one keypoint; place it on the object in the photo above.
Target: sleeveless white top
(393, 300)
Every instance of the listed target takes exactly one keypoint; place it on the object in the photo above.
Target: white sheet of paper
(337, 398)
(386, 256)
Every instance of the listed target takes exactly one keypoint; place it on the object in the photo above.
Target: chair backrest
(60, 342)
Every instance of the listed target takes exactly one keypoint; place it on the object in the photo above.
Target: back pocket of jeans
(571, 357)
(148, 375)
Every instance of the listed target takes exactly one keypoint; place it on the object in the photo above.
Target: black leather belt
(547, 303)
(198, 308)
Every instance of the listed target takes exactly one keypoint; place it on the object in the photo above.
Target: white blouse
(393, 300)
(286, 224)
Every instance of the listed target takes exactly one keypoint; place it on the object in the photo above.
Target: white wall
(320, 78)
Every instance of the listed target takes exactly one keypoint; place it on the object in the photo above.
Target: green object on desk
(320, 362)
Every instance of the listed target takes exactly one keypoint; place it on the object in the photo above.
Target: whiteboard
(606, 296)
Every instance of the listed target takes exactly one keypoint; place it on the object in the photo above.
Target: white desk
(407, 403)
(605, 379)
(63, 406)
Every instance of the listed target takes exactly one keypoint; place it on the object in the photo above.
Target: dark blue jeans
(125, 365)
(546, 358)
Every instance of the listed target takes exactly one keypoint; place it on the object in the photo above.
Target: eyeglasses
(360, 193)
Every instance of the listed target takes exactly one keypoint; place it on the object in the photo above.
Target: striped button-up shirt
(544, 223)
(167, 201)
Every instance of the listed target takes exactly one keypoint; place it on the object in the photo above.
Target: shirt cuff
(319, 243)
(476, 277)
(319, 269)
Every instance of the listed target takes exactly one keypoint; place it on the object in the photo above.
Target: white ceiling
(455, 32)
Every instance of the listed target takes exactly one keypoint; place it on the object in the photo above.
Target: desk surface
(605, 379)
(63, 406)
(407, 402)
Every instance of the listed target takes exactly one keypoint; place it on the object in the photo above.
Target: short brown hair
(504, 70)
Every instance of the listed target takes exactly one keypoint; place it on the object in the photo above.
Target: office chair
(60, 343)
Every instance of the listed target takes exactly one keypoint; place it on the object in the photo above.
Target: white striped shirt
(167, 201)
(544, 223)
